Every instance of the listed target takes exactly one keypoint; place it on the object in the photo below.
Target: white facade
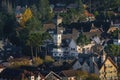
(73, 48)
(87, 48)
(58, 52)
(32, 78)
(1, 69)
(57, 39)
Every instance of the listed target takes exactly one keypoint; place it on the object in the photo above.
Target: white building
(58, 52)
(116, 41)
(57, 39)
(73, 49)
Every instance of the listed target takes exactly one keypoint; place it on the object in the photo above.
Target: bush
(18, 63)
(37, 61)
(49, 59)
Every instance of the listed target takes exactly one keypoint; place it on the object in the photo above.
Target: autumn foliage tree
(25, 17)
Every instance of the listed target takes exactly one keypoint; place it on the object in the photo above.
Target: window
(72, 48)
(109, 66)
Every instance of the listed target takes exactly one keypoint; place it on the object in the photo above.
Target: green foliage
(115, 33)
(33, 25)
(113, 49)
(96, 13)
(80, 7)
(2, 24)
(93, 77)
(73, 15)
(83, 40)
(48, 59)
(35, 39)
(44, 10)
(82, 75)
(37, 61)
(107, 4)
(7, 24)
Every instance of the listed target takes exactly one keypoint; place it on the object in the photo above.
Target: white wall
(57, 39)
(57, 52)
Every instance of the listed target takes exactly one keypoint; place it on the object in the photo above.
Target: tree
(113, 49)
(81, 75)
(115, 34)
(25, 17)
(19, 62)
(36, 35)
(80, 7)
(2, 24)
(37, 61)
(44, 10)
(96, 13)
(82, 40)
(81, 10)
(35, 40)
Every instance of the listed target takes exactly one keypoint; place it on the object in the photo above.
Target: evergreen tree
(44, 10)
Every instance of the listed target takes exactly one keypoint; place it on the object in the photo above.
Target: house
(116, 40)
(68, 74)
(90, 16)
(57, 39)
(112, 29)
(52, 76)
(84, 62)
(49, 26)
(108, 70)
(20, 74)
(85, 49)
(58, 52)
(105, 67)
(59, 9)
(93, 33)
(72, 6)
(73, 48)
(116, 23)
(85, 67)
(70, 34)
(76, 65)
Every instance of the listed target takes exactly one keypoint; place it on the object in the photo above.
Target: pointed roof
(72, 42)
(68, 73)
(51, 72)
(108, 58)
